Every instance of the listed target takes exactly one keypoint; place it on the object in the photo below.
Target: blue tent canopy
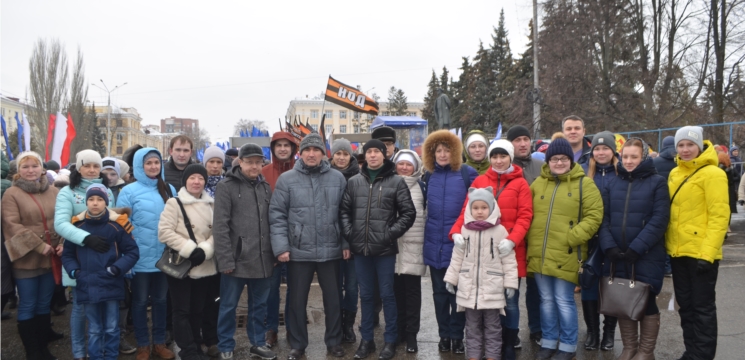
(396, 121)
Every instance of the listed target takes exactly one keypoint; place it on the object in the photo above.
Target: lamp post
(108, 116)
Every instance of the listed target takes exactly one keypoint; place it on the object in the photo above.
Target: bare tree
(726, 19)
(246, 124)
(47, 84)
(76, 107)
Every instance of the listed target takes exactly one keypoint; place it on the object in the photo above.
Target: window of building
(329, 114)
(314, 127)
(119, 138)
(412, 114)
(314, 114)
(119, 122)
(356, 129)
(103, 122)
(386, 113)
(329, 129)
(342, 114)
(356, 115)
(342, 129)
(119, 150)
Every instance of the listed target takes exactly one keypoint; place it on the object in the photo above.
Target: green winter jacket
(482, 166)
(555, 233)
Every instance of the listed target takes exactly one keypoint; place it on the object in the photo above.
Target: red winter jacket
(272, 171)
(516, 204)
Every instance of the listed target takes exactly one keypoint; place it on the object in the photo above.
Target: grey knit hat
(341, 144)
(250, 150)
(213, 152)
(87, 157)
(313, 140)
(604, 138)
(692, 133)
(486, 195)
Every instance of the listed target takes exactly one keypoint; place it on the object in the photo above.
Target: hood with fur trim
(442, 137)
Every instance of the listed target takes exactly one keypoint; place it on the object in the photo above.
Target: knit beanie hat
(604, 138)
(502, 146)
(213, 152)
(517, 131)
(313, 140)
(405, 156)
(486, 195)
(692, 133)
(250, 150)
(668, 141)
(341, 144)
(98, 190)
(734, 148)
(22, 156)
(560, 146)
(374, 144)
(87, 157)
(151, 155)
(52, 165)
(476, 137)
(194, 169)
(111, 163)
(123, 167)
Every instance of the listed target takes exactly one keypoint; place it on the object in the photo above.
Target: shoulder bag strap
(684, 181)
(186, 220)
(579, 219)
(47, 233)
(496, 196)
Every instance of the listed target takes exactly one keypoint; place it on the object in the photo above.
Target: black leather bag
(592, 268)
(171, 263)
(623, 298)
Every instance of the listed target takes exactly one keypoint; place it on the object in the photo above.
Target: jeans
(154, 285)
(77, 328)
(103, 330)
(559, 322)
(533, 304)
(511, 319)
(34, 296)
(189, 299)
(272, 303)
(696, 295)
(367, 267)
(301, 277)
(231, 288)
(348, 285)
(449, 321)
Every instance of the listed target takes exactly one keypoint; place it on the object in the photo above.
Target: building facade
(127, 130)
(179, 125)
(339, 118)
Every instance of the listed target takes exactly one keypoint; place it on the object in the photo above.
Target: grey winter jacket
(531, 168)
(304, 213)
(240, 226)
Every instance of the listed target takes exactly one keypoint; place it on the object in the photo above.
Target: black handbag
(623, 298)
(592, 268)
(171, 263)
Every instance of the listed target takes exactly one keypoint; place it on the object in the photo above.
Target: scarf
(480, 225)
(508, 171)
(212, 184)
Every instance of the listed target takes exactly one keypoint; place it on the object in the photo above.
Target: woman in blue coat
(637, 212)
(602, 168)
(147, 197)
(447, 185)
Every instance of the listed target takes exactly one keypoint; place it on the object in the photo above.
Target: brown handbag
(623, 298)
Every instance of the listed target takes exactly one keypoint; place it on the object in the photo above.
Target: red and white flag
(60, 134)
(65, 157)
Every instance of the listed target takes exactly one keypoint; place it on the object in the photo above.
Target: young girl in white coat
(485, 279)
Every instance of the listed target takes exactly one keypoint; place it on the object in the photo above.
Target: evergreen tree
(444, 79)
(462, 95)
(397, 102)
(502, 70)
(94, 133)
(428, 112)
(484, 94)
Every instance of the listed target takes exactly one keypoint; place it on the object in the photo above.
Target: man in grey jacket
(243, 250)
(304, 218)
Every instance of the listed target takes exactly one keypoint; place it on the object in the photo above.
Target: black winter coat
(637, 211)
(351, 170)
(373, 216)
(173, 174)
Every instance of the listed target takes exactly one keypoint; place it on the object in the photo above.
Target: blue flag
(20, 134)
(499, 132)
(5, 134)
(255, 132)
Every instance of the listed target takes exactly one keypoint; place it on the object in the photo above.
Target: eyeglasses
(555, 160)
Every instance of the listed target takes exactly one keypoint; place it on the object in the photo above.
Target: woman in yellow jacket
(699, 216)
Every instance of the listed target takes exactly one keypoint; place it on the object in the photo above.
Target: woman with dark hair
(147, 197)
(27, 220)
(70, 202)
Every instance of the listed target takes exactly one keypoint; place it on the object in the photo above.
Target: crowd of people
(479, 216)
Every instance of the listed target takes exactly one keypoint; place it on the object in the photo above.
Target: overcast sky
(220, 61)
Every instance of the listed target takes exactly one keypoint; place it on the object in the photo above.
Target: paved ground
(730, 294)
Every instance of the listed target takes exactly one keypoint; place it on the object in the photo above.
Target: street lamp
(108, 117)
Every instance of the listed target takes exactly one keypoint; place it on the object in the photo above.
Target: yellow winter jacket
(699, 214)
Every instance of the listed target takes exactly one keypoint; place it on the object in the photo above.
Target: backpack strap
(423, 186)
(466, 176)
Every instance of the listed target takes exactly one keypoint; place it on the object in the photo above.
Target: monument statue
(442, 110)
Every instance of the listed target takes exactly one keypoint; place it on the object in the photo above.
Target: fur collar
(33, 187)
(187, 198)
(442, 137)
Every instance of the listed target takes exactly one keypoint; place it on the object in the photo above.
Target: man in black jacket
(375, 211)
(180, 150)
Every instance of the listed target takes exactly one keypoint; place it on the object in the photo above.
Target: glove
(614, 254)
(458, 240)
(197, 257)
(631, 256)
(509, 293)
(703, 267)
(97, 243)
(741, 202)
(505, 246)
(113, 270)
(450, 288)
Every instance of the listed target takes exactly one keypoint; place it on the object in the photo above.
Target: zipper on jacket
(491, 248)
(548, 222)
(478, 271)
(367, 220)
(625, 212)
(444, 192)
(380, 193)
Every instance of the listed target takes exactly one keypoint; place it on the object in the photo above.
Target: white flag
(60, 134)
(26, 133)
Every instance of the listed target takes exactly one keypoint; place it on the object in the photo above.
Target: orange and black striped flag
(349, 97)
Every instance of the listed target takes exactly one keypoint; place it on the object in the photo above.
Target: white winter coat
(410, 257)
(172, 230)
(477, 270)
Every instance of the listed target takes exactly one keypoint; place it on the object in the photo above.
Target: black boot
(388, 352)
(28, 332)
(609, 332)
(509, 337)
(444, 345)
(592, 320)
(44, 324)
(411, 344)
(348, 327)
(365, 349)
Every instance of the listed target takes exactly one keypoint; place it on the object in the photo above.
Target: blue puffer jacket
(146, 203)
(446, 193)
(637, 211)
(71, 202)
(95, 284)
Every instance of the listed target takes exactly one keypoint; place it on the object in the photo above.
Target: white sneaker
(226, 355)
